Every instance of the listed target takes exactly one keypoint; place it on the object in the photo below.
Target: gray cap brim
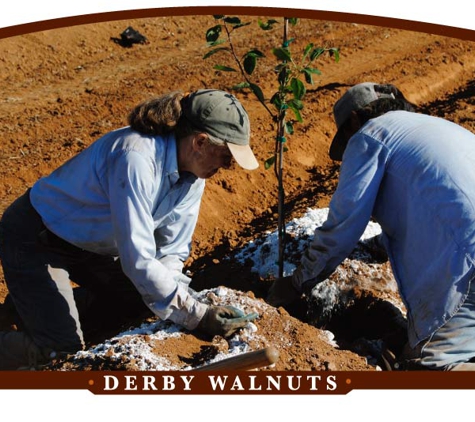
(337, 147)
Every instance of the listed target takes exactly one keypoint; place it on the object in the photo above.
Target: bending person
(118, 219)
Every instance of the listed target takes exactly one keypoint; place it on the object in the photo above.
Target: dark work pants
(39, 267)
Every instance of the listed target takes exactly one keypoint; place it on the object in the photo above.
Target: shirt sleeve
(350, 210)
(173, 237)
(131, 187)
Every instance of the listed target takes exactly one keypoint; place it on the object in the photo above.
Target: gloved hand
(282, 292)
(224, 320)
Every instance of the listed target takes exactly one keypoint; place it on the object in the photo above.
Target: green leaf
(298, 88)
(298, 116)
(282, 77)
(232, 20)
(308, 77)
(257, 91)
(295, 103)
(289, 128)
(307, 50)
(308, 72)
(293, 21)
(282, 53)
(224, 68)
(255, 52)
(215, 43)
(241, 85)
(218, 17)
(296, 106)
(250, 64)
(214, 51)
(212, 34)
(250, 60)
(276, 100)
(266, 26)
(334, 52)
(313, 70)
(269, 162)
(240, 25)
(317, 52)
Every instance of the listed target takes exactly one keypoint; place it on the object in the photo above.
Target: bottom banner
(237, 382)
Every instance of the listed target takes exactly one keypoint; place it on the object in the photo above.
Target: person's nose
(228, 162)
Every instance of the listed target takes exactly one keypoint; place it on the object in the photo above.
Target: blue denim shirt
(123, 196)
(415, 175)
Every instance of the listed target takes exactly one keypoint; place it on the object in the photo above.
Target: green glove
(224, 320)
(282, 292)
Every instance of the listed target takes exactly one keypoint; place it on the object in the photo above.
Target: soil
(63, 88)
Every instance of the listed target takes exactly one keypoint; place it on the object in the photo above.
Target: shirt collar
(171, 164)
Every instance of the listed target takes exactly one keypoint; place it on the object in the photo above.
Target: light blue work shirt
(415, 175)
(124, 196)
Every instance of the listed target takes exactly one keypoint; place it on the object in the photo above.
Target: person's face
(211, 159)
(351, 126)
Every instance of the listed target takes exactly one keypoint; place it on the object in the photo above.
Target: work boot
(19, 352)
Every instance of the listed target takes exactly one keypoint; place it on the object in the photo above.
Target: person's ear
(350, 127)
(355, 124)
(200, 141)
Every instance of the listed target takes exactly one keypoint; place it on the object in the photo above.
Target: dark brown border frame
(436, 29)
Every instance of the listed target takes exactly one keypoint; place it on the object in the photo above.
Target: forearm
(349, 213)
(181, 308)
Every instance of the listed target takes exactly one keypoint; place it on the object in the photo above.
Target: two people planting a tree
(414, 174)
(117, 219)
